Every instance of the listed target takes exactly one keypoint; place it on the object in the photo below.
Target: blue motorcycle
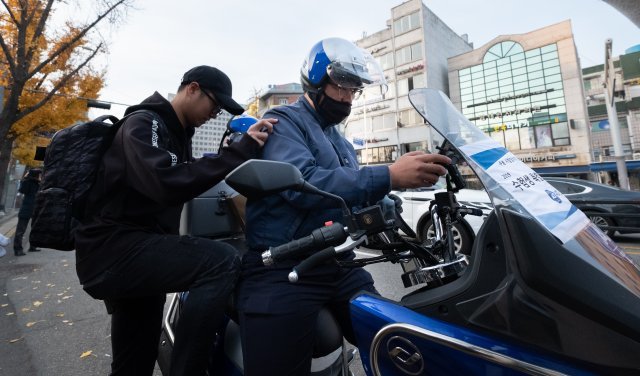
(543, 292)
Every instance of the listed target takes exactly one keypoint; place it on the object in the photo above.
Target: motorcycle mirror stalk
(257, 178)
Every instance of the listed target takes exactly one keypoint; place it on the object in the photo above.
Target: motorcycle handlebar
(470, 211)
(327, 236)
(310, 263)
(324, 255)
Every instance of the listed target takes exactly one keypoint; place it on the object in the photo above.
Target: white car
(415, 211)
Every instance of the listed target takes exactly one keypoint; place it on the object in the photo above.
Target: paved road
(49, 326)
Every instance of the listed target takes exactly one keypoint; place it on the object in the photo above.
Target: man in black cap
(28, 187)
(129, 253)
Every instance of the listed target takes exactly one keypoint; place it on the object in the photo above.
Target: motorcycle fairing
(397, 340)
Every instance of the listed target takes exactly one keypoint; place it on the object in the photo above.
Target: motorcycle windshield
(512, 185)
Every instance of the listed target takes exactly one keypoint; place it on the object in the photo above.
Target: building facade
(412, 50)
(207, 138)
(526, 92)
(627, 103)
(278, 95)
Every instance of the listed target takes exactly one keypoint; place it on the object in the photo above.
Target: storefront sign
(510, 97)
(517, 111)
(545, 157)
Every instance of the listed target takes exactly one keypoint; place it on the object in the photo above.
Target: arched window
(503, 49)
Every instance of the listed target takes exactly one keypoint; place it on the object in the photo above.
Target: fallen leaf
(86, 354)
(26, 310)
(37, 303)
(15, 340)
(30, 324)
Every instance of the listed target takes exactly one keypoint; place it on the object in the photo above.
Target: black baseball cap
(214, 79)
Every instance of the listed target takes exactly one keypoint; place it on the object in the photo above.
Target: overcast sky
(259, 42)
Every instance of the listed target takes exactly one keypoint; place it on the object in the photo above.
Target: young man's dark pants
(134, 291)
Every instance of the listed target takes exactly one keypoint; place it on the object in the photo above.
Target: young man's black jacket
(146, 176)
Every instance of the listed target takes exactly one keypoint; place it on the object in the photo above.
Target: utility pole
(609, 84)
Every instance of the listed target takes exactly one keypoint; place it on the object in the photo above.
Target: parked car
(622, 215)
(415, 211)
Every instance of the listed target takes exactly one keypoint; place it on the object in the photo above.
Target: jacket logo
(154, 141)
(154, 133)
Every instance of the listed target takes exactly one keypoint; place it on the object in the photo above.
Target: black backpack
(71, 163)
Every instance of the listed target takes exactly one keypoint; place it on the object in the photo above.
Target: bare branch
(75, 39)
(13, 16)
(39, 29)
(8, 55)
(63, 81)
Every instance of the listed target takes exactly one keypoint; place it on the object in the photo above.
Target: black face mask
(331, 110)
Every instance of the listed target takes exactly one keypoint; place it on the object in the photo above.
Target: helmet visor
(355, 69)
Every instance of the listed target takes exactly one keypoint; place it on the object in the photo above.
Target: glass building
(525, 91)
(517, 97)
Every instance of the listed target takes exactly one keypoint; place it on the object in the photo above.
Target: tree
(46, 70)
(253, 108)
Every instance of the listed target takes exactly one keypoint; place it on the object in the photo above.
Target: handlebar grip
(310, 263)
(331, 235)
(471, 211)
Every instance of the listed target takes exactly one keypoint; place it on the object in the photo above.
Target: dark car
(612, 209)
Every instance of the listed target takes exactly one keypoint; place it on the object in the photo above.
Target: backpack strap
(102, 118)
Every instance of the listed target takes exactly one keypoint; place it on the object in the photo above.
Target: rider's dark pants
(278, 318)
(134, 292)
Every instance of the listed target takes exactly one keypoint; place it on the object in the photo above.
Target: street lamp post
(609, 84)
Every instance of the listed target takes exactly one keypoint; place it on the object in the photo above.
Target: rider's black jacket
(146, 176)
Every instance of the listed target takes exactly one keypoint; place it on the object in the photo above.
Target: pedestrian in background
(29, 186)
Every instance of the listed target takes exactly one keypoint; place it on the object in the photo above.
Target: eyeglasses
(355, 93)
(217, 110)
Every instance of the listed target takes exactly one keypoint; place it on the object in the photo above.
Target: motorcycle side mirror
(256, 178)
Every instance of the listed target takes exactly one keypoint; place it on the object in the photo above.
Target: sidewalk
(8, 223)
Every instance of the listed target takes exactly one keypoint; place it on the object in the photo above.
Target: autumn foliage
(46, 70)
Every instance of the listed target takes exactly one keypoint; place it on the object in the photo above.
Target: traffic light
(98, 104)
